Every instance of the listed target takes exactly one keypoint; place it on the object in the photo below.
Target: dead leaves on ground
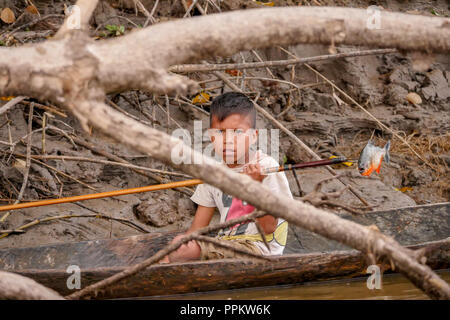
(201, 98)
(7, 16)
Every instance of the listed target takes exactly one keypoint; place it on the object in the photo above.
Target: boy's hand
(254, 172)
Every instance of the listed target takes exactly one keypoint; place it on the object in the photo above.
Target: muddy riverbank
(326, 120)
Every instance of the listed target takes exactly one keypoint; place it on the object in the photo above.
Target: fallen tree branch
(185, 68)
(17, 287)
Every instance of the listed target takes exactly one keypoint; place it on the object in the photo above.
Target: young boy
(232, 131)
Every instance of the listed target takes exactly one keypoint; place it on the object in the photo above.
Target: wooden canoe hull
(203, 276)
(409, 226)
(308, 257)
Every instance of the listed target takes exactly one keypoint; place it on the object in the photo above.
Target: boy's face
(232, 138)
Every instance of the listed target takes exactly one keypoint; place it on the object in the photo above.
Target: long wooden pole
(170, 185)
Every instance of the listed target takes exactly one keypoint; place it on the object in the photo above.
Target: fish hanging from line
(371, 157)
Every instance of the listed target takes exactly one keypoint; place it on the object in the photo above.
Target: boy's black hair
(232, 103)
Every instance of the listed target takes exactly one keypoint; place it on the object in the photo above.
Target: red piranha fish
(371, 157)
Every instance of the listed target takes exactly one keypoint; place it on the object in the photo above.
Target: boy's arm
(202, 218)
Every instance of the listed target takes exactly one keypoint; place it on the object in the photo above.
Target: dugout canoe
(308, 257)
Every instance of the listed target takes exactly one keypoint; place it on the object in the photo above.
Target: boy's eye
(239, 131)
(215, 132)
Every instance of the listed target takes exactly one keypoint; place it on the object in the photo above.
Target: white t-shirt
(230, 208)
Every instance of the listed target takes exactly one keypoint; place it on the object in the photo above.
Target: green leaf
(111, 27)
(433, 11)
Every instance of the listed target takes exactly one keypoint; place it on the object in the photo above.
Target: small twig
(185, 68)
(51, 109)
(125, 165)
(168, 112)
(123, 221)
(297, 181)
(5, 123)
(151, 14)
(168, 116)
(272, 80)
(64, 174)
(96, 215)
(261, 60)
(44, 124)
(31, 23)
(11, 104)
(11, 231)
(115, 106)
(188, 11)
(192, 105)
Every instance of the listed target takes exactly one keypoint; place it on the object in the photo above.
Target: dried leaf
(268, 4)
(8, 98)
(32, 9)
(233, 72)
(7, 16)
(201, 98)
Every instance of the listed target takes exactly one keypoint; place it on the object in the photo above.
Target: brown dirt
(329, 125)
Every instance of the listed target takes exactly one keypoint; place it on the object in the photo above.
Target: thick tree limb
(17, 287)
(30, 69)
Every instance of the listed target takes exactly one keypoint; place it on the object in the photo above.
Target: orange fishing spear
(177, 184)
